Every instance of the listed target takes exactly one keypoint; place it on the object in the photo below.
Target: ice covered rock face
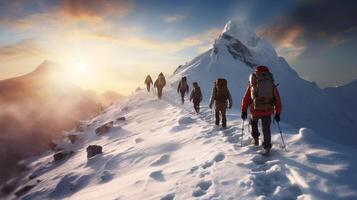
(240, 41)
(241, 32)
(237, 49)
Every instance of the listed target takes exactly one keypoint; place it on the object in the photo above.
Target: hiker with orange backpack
(183, 88)
(222, 99)
(262, 97)
(160, 84)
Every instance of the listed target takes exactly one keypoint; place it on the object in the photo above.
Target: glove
(277, 117)
(230, 106)
(244, 115)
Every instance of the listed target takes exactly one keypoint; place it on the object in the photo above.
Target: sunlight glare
(83, 67)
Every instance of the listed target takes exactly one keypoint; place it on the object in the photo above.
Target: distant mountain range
(36, 107)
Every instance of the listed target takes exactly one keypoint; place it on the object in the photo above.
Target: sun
(82, 68)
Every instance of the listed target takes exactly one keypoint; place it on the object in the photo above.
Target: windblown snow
(163, 150)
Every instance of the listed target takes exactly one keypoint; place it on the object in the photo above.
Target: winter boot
(224, 124)
(255, 142)
(266, 152)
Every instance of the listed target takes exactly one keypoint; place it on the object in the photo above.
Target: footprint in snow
(204, 185)
(138, 140)
(219, 157)
(106, 176)
(168, 197)
(186, 120)
(158, 176)
(161, 161)
(201, 188)
(193, 169)
(161, 120)
(234, 139)
(270, 179)
(207, 164)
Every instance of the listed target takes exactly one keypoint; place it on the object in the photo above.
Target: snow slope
(233, 56)
(164, 151)
(347, 95)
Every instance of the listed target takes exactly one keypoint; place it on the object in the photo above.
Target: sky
(113, 44)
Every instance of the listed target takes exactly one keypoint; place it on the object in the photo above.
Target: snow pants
(266, 121)
(196, 106)
(148, 87)
(182, 96)
(221, 109)
(159, 92)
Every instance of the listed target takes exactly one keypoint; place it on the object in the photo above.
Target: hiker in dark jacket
(196, 97)
(183, 88)
(222, 99)
(148, 82)
(160, 84)
(263, 100)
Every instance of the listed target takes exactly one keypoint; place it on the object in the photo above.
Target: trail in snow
(163, 150)
(267, 177)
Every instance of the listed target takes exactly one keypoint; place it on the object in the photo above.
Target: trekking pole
(241, 141)
(281, 134)
(212, 112)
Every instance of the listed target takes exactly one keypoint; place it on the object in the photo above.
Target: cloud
(20, 49)
(200, 41)
(173, 18)
(313, 25)
(17, 24)
(94, 10)
(289, 42)
(20, 15)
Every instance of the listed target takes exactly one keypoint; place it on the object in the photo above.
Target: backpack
(161, 81)
(197, 95)
(262, 90)
(148, 80)
(183, 84)
(221, 90)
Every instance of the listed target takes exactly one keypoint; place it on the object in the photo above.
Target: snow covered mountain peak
(242, 43)
(241, 31)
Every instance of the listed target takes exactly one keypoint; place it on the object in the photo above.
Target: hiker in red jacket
(262, 97)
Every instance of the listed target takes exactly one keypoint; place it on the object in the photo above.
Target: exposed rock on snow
(93, 150)
(105, 128)
(60, 155)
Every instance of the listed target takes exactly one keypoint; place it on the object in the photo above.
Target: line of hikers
(261, 96)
